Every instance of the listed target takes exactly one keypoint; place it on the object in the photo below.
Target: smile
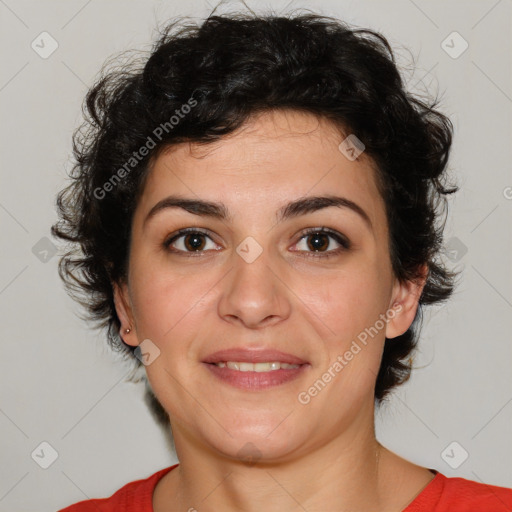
(256, 367)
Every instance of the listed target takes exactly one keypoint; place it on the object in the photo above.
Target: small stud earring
(127, 330)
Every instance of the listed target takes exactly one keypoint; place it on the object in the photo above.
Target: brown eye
(188, 241)
(318, 243)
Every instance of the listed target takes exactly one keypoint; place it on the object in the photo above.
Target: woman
(258, 213)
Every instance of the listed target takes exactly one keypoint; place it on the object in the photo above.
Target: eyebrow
(293, 209)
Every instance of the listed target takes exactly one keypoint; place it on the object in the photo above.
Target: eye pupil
(316, 245)
(197, 242)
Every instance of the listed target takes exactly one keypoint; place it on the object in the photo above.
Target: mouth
(255, 369)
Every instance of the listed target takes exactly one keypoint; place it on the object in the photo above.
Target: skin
(318, 456)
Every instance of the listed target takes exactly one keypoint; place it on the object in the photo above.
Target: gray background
(59, 382)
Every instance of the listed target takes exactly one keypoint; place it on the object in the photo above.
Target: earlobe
(124, 312)
(405, 301)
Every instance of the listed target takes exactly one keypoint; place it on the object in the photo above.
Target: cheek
(166, 303)
(349, 300)
(169, 309)
(351, 306)
(350, 303)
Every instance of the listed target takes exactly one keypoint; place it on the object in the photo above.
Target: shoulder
(455, 494)
(460, 490)
(135, 496)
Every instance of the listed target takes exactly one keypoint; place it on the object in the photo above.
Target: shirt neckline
(426, 496)
(429, 495)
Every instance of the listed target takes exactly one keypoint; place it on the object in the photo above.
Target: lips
(253, 356)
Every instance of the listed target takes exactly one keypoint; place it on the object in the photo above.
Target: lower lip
(256, 380)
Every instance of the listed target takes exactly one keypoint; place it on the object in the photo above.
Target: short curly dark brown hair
(227, 69)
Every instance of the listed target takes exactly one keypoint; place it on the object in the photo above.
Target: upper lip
(245, 355)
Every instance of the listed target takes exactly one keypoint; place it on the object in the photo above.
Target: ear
(124, 312)
(404, 302)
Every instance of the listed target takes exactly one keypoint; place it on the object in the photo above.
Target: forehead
(273, 158)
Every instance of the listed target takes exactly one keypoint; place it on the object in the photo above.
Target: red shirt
(442, 494)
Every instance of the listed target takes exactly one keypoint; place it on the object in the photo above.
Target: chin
(252, 443)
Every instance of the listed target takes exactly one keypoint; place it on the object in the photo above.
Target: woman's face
(255, 280)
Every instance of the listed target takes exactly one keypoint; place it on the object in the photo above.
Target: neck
(352, 472)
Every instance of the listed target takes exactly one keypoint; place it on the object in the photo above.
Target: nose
(254, 293)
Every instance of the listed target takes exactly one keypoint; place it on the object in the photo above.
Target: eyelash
(344, 242)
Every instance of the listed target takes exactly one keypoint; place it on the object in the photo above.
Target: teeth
(256, 367)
